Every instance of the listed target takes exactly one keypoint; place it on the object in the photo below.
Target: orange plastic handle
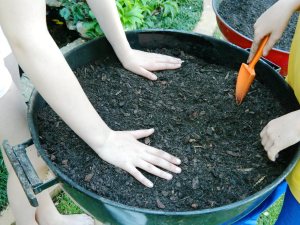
(259, 52)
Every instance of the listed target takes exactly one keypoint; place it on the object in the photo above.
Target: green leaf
(65, 13)
(145, 2)
(98, 30)
(89, 25)
(79, 12)
(120, 8)
(127, 3)
(136, 21)
(170, 8)
(135, 12)
(91, 14)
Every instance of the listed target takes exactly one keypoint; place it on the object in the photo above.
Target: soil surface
(196, 118)
(242, 15)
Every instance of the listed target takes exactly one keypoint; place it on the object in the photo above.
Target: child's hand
(281, 133)
(123, 150)
(142, 63)
(272, 22)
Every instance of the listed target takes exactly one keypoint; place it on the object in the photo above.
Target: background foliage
(134, 14)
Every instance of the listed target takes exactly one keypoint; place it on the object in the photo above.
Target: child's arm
(24, 24)
(136, 61)
(284, 131)
(272, 22)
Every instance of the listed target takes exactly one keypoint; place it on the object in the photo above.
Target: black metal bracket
(25, 172)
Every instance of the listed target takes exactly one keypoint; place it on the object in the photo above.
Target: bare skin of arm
(136, 61)
(43, 62)
(284, 131)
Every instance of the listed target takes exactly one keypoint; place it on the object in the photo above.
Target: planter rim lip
(65, 179)
(215, 8)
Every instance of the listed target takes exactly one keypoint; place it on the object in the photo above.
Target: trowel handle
(259, 52)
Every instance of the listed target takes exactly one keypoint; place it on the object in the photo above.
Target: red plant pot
(277, 56)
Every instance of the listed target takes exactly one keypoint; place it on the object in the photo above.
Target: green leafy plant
(134, 14)
(78, 16)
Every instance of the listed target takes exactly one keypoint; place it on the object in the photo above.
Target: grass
(3, 181)
(269, 216)
(65, 205)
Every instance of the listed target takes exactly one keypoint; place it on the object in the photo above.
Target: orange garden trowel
(247, 73)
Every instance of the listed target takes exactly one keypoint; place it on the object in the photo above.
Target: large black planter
(109, 212)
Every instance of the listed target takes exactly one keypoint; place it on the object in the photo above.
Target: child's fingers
(271, 156)
(166, 59)
(142, 72)
(164, 155)
(269, 144)
(254, 47)
(264, 141)
(163, 66)
(148, 167)
(138, 134)
(273, 152)
(139, 176)
(271, 42)
(251, 55)
(263, 132)
(147, 74)
(157, 161)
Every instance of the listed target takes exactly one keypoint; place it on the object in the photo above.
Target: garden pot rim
(219, 17)
(64, 178)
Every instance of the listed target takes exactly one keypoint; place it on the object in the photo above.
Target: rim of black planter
(216, 10)
(63, 177)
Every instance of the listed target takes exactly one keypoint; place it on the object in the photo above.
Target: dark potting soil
(196, 118)
(242, 15)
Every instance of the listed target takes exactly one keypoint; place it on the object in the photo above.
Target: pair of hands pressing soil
(195, 116)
